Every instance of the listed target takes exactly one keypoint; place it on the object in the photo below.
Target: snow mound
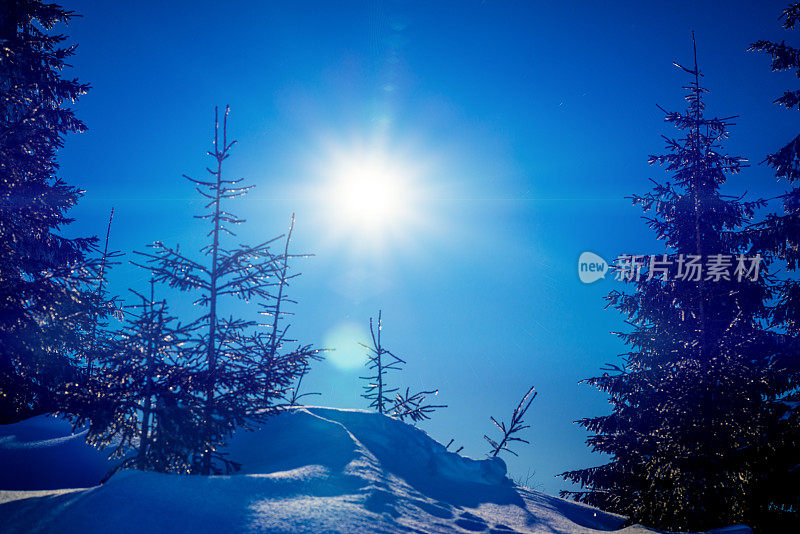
(334, 438)
(43, 453)
(307, 470)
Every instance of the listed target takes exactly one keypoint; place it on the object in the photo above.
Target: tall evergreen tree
(778, 237)
(46, 307)
(780, 233)
(691, 402)
(231, 379)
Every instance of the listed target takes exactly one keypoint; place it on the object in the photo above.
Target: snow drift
(43, 453)
(308, 470)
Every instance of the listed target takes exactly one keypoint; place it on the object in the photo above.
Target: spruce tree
(281, 368)
(144, 409)
(390, 400)
(105, 305)
(691, 400)
(380, 361)
(778, 237)
(235, 374)
(516, 426)
(46, 304)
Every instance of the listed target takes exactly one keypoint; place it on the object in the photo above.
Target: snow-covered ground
(309, 470)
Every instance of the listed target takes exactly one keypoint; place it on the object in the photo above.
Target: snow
(42, 453)
(308, 470)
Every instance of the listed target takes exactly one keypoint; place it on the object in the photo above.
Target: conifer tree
(389, 400)
(230, 379)
(282, 369)
(46, 304)
(516, 426)
(778, 237)
(780, 233)
(380, 361)
(105, 304)
(691, 401)
(145, 411)
(84, 395)
(99, 341)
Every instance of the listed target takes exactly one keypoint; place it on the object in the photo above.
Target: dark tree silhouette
(516, 426)
(273, 357)
(691, 404)
(388, 400)
(412, 405)
(238, 375)
(144, 411)
(105, 303)
(380, 361)
(46, 304)
(778, 237)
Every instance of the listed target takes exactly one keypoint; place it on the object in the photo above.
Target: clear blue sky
(515, 129)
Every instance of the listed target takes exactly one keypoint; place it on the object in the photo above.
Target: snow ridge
(307, 470)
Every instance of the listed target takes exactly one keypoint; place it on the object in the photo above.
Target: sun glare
(369, 193)
(372, 199)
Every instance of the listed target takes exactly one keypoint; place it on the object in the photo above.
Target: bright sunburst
(372, 198)
(370, 191)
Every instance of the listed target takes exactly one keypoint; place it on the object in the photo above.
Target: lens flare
(343, 341)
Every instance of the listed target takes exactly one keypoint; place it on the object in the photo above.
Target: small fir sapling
(385, 399)
(105, 304)
(78, 399)
(412, 405)
(235, 374)
(271, 346)
(380, 361)
(517, 425)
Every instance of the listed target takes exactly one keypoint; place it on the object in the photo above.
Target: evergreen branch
(517, 425)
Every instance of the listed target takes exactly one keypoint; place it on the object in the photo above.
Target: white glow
(368, 192)
(371, 198)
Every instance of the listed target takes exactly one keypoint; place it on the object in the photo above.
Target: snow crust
(307, 470)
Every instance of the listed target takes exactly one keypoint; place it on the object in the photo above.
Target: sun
(370, 198)
(369, 193)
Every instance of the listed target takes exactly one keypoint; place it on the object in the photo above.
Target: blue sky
(514, 130)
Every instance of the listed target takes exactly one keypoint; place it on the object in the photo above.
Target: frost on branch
(386, 400)
(517, 425)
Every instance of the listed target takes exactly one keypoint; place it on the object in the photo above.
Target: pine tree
(691, 402)
(231, 378)
(780, 233)
(105, 304)
(46, 304)
(380, 361)
(144, 410)
(281, 369)
(99, 341)
(389, 400)
(778, 237)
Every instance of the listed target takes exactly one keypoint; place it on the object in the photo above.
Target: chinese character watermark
(676, 267)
